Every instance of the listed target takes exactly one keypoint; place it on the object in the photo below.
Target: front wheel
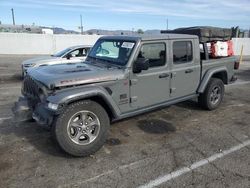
(213, 95)
(82, 128)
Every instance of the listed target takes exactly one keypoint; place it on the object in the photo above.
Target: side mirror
(68, 56)
(140, 64)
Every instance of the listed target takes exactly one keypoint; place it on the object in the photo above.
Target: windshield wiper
(94, 58)
(108, 63)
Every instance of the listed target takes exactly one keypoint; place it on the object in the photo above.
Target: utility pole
(167, 23)
(13, 16)
(81, 25)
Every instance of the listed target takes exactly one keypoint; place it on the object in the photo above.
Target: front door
(185, 75)
(151, 86)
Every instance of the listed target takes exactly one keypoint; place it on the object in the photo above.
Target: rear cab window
(182, 52)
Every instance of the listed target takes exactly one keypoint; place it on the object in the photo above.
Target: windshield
(62, 53)
(114, 51)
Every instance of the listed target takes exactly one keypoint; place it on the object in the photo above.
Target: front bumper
(43, 115)
(23, 111)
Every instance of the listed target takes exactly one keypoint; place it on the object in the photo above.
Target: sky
(127, 14)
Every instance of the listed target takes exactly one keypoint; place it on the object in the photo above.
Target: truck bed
(223, 63)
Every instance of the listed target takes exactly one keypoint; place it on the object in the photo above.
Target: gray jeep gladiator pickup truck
(123, 76)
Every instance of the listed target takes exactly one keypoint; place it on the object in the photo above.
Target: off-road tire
(205, 98)
(59, 128)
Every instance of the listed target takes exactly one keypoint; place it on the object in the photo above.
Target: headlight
(52, 106)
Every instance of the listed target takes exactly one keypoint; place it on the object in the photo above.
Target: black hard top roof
(150, 37)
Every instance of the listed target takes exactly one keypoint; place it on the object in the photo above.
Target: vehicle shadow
(35, 135)
(243, 75)
(41, 138)
(156, 126)
(190, 104)
(17, 77)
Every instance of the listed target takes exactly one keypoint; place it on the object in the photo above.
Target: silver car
(74, 54)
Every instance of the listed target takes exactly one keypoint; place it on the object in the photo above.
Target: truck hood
(74, 74)
(39, 60)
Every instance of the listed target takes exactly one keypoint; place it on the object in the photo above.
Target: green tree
(140, 31)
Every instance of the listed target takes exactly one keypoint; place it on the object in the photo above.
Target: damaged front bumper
(23, 111)
(43, 115)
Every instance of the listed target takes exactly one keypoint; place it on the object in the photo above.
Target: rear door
(185, 67)
(151, 86)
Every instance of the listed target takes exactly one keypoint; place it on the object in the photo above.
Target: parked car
(123, 76)
(74, 54)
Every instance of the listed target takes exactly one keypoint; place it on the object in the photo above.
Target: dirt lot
(183, 144)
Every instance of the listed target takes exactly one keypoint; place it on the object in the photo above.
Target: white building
(47, 31)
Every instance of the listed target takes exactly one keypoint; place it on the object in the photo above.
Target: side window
(84, 51)
(155, 53)
(182, 52)
(77, 53)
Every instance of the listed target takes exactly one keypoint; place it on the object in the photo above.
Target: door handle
(189, 71)
(164, 75)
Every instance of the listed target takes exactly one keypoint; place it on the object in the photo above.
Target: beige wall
(22, 43)
(238, 43)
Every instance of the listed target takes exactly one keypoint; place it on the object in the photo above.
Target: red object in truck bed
(222, 49)
(230, 50)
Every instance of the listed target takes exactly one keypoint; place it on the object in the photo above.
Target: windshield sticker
(128, 45)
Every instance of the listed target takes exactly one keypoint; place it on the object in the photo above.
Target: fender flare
(208, 75)
(81, 93)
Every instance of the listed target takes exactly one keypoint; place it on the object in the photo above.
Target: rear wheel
(213, 94)
(82, 128)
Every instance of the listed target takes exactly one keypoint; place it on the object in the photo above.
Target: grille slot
(30, 87)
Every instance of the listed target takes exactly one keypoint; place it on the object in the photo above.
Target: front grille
(30, 88)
